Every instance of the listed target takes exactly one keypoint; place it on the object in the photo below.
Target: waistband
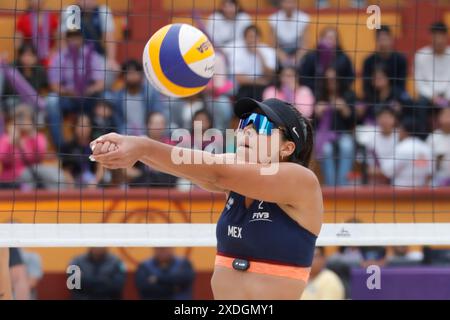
(292, 272)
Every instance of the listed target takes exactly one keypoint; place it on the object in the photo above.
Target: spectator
(5, 278)
(22, 151)
(26, 78)
(74, 155)
(144, 176)
(323, 284)
(382, 95)
(401, 256)
(76, 79)
(334, 112)
(226, 26)
(411, 165)
(165, 277)
(432, 78)
(98, 30)
(102, 275)
(104, 119)
(33, 265)
(373, 256)
(135, 101)
(290, 29)
(288, 89)
(439, 142)
(252, 64)
(207, 138)
(19, 279)
(380, 142)
(218, 92)
(328, 54)
(395, 63)
(42, 38)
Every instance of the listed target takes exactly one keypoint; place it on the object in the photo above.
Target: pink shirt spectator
(302, 99)
(12, 157)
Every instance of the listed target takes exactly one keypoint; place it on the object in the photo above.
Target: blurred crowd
(66, 87)
(102, 275)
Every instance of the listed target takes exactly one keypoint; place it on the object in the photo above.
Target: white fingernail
(92, 158)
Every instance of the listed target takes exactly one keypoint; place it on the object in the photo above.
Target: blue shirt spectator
(165, 276)
(135, 101)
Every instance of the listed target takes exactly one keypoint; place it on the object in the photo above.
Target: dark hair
(236, 3)
(280, 71)
(205, 112)
(438, 26)
(386, 109)
(132, 64)
(253, 27)
(410, 125)
(334, 29)
(26, 46)
(383, 29)
(322, 90)
(304, 157)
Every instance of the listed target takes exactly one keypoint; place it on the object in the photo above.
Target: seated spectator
(218, 94)
(165, 277)
(19, 279)
(142, 175)
(402, 256)
(252, 63)
(328, 54)
(22, 152)
(135, 101)
(432, 78)
(411, 165)
(102, 276)
(380, 142)
(75, 153)
(383, 95)
(98, 31)
(334, 113)
(226, 26)
(202, 135)
(38, 28)
(104, 119)
(26, 79)
(439, 142)
(323, 284)
(33, 264)
(394, 62)
(373, 255)
(288, 89)
(290, 29)
(76, 79)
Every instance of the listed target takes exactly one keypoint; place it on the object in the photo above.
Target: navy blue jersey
(263, 232)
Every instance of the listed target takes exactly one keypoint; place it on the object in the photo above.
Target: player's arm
(280, 184)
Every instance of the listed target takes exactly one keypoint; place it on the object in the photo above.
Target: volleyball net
(369, 74)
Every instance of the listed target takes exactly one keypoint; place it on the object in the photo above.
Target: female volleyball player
(267, 231)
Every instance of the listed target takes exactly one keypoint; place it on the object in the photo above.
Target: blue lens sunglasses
(260, 123)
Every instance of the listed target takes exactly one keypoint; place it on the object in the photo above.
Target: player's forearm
(195, 165)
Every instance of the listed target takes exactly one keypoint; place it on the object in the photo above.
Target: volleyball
(179, 60)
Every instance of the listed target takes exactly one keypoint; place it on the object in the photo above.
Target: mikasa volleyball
(179, 60)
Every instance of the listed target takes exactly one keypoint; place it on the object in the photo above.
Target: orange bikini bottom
(292, 272)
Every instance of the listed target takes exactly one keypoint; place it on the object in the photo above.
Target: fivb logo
(260, 215)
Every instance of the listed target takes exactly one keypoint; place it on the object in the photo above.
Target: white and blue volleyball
(179, 60)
